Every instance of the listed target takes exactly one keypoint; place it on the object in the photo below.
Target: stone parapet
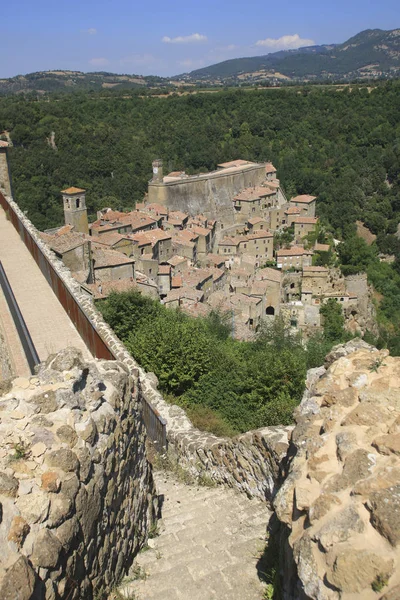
(77, 496)
(339, 506)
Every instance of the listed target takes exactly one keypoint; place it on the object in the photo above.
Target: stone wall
(339, 506)
(362, 317)
(76, 490)
(210, 194)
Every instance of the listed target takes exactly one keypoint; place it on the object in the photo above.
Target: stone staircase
(209, 543)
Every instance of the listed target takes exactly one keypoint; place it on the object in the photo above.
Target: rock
(8, 485)
(367, 414)
(66, 360)
(64, 459)
(60, 509)
(70, 485)
(345, 398)
(87, 430)
(386, 444)
(67, 435)
(46, 402)
(385, 513)
(322, 506)
(18, 531)
(382, 479)
(34, 507)
(339, 528)
(38, 449)
(67, 531)
(346, 442)
(46, 549)
(354, 570)
(50, 481)
(307, 568)
(19, 581)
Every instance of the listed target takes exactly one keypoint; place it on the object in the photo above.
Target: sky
(169, 38)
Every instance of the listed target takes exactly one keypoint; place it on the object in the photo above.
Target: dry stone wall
(76, 491)
(339, 506)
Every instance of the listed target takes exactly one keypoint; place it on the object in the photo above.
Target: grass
(21, 450)
(380, 581)
(164, 462)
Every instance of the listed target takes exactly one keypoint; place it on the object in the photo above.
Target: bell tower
(158, 171)
(75, 211)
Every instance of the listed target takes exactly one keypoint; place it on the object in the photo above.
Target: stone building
(303, 226)
(295, 257)
(305, 203)
(75, 211)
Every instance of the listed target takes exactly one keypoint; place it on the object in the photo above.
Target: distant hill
(370, 54)
(71, 81)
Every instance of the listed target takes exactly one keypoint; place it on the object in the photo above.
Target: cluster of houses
(191, 262)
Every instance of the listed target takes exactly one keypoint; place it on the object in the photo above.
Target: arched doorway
(270, 310)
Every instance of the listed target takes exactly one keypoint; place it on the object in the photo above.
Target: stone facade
(339, 506)
(76, 491)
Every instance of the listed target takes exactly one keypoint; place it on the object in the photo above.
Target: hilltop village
(240, 247)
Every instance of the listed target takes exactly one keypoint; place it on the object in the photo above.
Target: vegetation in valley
(227, 386)
(342, 146)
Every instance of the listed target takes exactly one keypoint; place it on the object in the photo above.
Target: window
(225, 250)
(245, 245)
(77, 202)
(293, 322)
(270, 310)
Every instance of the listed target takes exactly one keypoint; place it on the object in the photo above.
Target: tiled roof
(259, 234)
(176, 260)
(306, 220)
(293, 251)
(109, 258)
(293, 210)
(72, 190)
(234, 163)
(255, 220)
(269, 274)
(3, 144)
(164, 270)
(200, 230)
(322, 247)
(176, 281)
(303, 199)
(315, 270)
(64, 242)
(184, 292)
(269, 168)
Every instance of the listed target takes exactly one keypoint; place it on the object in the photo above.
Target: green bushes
(227, 386)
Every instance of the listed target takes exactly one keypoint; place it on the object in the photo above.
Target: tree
(333, 322)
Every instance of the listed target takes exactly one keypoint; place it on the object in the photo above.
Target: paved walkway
(49, 325)
(208, 548)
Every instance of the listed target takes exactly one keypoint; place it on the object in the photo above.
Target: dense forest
(342, 146)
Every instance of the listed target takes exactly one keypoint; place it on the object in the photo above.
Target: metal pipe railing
(26, 341)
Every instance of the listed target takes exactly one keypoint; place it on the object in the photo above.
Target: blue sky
(167, 38)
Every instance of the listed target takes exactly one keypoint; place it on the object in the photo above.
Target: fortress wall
(249, 463)
(76, 490)
(209, 194)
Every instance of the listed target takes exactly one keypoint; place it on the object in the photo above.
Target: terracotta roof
(72, 190)
(197, 309)
(254, 193)
(176, 281)
(293, 210)
(3, 144)
(178, 214)
(228, 241)
(184, 292)
(176, 260)
(104, 289)
(176, 173)
(322, 247)
(234, 163)
(306, 220)
(293, 251)
(259, 234)
(269, 168)
(164, 270)
(217, 273)
(303, 199)
(269, 274)
(186, 235)
(194, 277)
(110, 238)
(157, 208)
(200, 230)
(255, 220)
(315, 270)
(215, 259)
(63, 242)
(109, 258)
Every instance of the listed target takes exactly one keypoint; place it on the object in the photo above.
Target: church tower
(75, 211)
(158, 171)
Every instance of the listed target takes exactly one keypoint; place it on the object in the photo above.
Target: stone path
(209, 544)
(49, 325)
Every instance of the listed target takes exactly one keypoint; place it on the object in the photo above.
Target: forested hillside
(342, 146)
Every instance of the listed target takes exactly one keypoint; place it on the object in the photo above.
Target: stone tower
(158, 171)
(75, 211)
(5, 178)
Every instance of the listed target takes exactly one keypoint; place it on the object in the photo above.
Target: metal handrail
(26, 341)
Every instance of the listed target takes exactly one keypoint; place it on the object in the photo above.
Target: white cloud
(185, 39)
(286, 42)
(99, 62)
(90, 31)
